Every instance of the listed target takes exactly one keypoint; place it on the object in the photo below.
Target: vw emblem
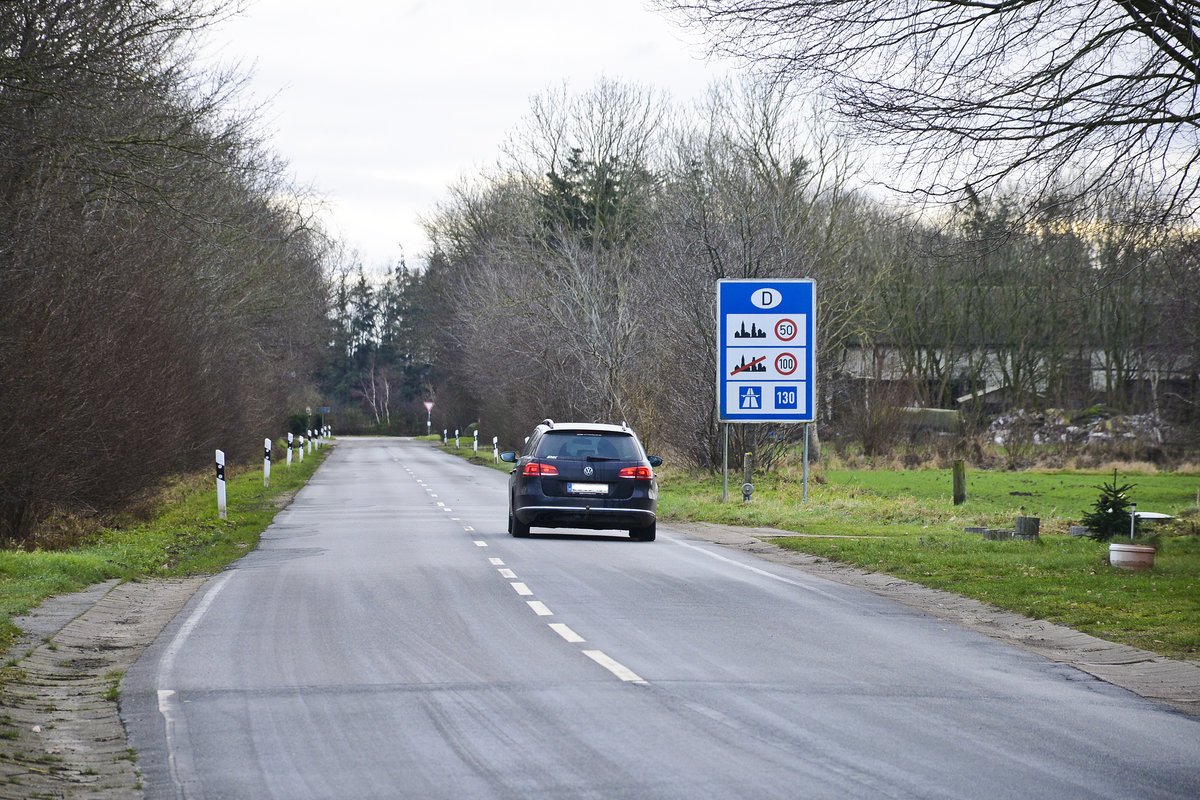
(587, 471)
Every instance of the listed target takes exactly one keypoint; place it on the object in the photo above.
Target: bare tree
(980, 93)
(159, 299)
(751, 193)
(539, 263)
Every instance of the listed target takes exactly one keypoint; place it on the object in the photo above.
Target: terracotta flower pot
(1131, 556)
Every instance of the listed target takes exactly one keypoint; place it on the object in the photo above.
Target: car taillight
(638, 473)
(534, 468)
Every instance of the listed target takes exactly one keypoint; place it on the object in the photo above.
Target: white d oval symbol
(766, 298)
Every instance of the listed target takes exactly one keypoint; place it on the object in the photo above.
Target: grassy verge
(182, 537)
(466, 450)
(904, 523)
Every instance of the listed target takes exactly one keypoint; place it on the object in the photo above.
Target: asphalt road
(389, 639)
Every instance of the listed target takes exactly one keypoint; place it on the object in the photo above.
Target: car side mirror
(655, 461)
(509, 456)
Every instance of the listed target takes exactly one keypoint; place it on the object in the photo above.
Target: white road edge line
(616, 668)
(565, 632)
(179, 758)
(522, 589)
(505, 572)
(540, 608)
(762, 572)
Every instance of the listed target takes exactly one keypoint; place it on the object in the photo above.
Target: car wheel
(645, 534)
(516, 528)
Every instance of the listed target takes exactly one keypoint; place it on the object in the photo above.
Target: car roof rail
(548, 422)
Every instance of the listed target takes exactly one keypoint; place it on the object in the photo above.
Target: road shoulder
(1164, 680)
(60, 729)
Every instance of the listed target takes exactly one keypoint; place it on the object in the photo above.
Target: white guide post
(266, 462)
(221, 484)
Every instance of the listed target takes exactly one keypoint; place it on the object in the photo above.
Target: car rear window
(582, 445)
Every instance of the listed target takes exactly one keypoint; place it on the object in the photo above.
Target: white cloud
(381, 105)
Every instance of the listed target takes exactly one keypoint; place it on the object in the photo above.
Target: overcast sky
(379, 106)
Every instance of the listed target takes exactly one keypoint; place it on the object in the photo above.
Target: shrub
(1110, 515)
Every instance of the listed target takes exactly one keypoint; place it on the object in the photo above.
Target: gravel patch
(60, 731)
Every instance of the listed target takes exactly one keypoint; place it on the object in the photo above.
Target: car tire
(645, 534)
(516, 528)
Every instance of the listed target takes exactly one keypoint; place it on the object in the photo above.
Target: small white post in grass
(221, 484)
(289, 455)
(445, 438)
(456, 438)
(475, 446)
(496, 449)
(266, 462)
(301, 449)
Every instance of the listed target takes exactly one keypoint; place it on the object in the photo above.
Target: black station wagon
(583, 475)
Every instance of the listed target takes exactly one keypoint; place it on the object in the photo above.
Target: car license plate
(587, 488)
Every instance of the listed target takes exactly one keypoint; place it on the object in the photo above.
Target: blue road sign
(766, 339)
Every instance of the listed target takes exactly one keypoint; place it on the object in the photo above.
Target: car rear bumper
(595, 517)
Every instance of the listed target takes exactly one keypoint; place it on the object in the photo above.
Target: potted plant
(1114, 516)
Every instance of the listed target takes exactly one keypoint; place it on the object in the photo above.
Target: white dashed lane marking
(565, 632)
(540, 609)
(616, 668)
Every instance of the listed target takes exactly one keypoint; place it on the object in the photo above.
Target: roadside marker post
(221, 508)
(266, 462)
(289, 451)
